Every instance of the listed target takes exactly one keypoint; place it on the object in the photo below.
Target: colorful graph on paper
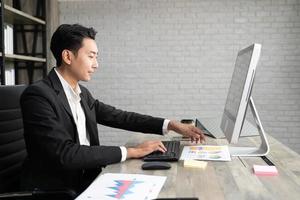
(205, 152)
(124, 187)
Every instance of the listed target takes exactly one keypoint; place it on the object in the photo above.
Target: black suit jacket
(55, 157)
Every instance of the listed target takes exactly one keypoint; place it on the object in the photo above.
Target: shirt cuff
(124, 153)
(165, 126)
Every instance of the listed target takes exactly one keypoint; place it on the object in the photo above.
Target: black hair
(69, 36)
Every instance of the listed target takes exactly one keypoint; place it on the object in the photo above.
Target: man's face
(84, 64)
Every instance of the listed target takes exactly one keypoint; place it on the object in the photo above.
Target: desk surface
(225, 180)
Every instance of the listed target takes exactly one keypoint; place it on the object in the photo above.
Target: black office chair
(13, 150)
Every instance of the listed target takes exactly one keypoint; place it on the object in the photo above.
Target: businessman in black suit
(60, 120)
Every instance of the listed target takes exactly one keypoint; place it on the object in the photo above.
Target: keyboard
(172, 153)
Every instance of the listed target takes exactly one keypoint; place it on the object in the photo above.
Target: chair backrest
(12, 144)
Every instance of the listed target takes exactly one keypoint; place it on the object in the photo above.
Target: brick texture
(175, 58)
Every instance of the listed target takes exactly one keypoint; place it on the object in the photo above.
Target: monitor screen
(239, 92)
(237, 84)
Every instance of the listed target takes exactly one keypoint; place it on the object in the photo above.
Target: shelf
(15, 16)
(13, 57)
(27, 30)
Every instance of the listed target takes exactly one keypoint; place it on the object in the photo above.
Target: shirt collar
(72, 94)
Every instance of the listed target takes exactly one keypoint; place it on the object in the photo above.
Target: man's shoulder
(41, 87)
(84, 90)
(85, 93)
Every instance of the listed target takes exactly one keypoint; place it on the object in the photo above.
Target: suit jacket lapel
(59, 91)
(89, 119)
(91, 130)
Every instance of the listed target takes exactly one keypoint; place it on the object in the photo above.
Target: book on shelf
(9, 73)
(8, 38)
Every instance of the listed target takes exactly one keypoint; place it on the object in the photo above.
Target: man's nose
(96, 65)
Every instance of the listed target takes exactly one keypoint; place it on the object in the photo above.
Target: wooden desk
(225, 180)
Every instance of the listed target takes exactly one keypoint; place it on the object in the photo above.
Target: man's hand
(187, 130)
(145, 148)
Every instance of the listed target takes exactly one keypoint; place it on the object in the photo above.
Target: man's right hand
(145, 148)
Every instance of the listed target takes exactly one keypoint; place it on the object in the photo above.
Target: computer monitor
(238, 98)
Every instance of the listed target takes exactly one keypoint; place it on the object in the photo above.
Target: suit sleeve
(47, 138)
(110, 116)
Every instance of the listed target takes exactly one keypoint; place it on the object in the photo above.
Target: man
(60, 120)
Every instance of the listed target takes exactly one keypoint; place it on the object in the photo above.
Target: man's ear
(66, 56)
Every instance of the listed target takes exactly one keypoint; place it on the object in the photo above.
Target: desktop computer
(232, 125)
(238, 99)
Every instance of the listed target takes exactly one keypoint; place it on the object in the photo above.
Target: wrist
(131, 153)
(172, 126)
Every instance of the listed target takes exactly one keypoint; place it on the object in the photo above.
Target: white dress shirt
(73, 96)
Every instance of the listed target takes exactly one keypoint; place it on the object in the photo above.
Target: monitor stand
(253, 151)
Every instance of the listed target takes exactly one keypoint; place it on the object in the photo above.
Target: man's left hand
(187, 130)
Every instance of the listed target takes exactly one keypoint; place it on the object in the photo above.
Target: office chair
(13, 149)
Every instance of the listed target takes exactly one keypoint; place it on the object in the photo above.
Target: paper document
(205, 152)
(123, 186)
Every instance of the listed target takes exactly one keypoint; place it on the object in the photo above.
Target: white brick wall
(174, 58)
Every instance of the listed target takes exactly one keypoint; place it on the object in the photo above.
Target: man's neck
(67, 76)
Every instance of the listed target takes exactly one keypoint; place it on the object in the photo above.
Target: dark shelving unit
(29, 40)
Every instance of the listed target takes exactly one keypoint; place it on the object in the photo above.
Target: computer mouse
(156, 165)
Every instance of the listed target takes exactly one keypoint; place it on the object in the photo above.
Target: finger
(192, 134)
(202, 138)
(160, 149)
(161, 145)
(197, 131)
(201, 134)
(196, 140)
(192, 139)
